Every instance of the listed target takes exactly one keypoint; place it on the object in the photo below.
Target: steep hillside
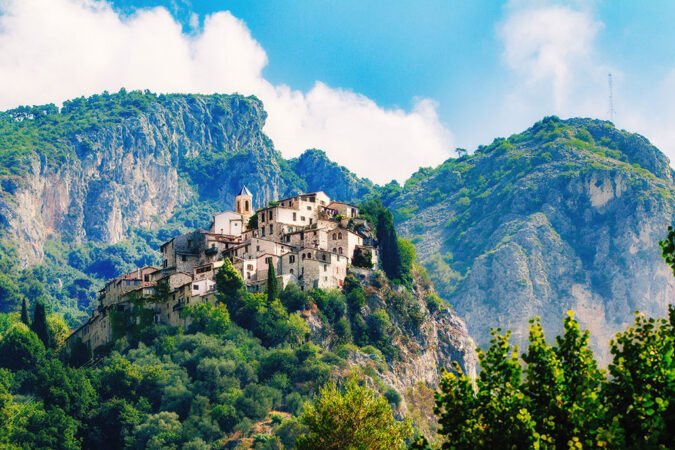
(565, 215)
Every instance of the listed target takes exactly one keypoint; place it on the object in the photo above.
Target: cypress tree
(391, 254)
(24, 313)
(271, 283)
(39, 325)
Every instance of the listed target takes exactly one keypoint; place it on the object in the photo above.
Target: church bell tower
(244, 204)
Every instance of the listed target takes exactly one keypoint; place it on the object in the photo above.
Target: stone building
(308, 238)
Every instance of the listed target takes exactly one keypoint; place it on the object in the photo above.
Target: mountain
(564, 216)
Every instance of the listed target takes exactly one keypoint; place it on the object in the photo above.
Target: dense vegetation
(242, 371)
(555, 396)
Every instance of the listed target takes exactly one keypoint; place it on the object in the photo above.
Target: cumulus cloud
(552, 52)
(53, 50)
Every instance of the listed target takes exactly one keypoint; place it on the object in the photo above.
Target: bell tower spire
(244, 204)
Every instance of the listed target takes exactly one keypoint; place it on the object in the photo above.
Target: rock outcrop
(565, 216)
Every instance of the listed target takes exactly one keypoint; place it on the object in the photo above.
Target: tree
(271, 283)
(252, 222)
(668, 248)
(24, 312)
(39, 325)
(641, 390)
(352, 417)
(495, 415)
(208, 318)
(58, 331)
(20, 348)
(362, 258)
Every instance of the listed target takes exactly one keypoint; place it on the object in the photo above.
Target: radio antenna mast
(611, 99)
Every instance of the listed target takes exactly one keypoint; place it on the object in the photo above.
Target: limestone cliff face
(566, 216)
(133, 171)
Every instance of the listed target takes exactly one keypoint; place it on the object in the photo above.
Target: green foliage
(24, 312)
(208, 318)
(39, 324)
(641, 390)
(252, 223)
(561, 399)
(271, 283)
(363, 259)
(668, 248)
(352, 417)
(294, 298)
(20, 348)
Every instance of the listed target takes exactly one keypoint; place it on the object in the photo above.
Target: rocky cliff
(566, 215)
(109, 163)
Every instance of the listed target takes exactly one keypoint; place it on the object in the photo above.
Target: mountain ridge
(521, 227)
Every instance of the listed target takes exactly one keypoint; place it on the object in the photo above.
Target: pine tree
(271, 283)
(24, 312)
(39, 325)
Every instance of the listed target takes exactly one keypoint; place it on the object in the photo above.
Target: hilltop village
(309, 239)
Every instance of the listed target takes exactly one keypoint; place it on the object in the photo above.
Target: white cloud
(52, 50)
(557, 67)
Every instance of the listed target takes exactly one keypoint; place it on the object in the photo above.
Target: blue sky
(431, 75)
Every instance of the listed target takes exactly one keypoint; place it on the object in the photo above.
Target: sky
(383, 87)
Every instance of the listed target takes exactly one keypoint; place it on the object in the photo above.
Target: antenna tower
(611, 99)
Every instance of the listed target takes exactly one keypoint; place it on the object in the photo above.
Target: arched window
(340, 250)
(339, 235)
(246, 205)
(238, 205)
(291, 271)
(334, 236)
(334, 250)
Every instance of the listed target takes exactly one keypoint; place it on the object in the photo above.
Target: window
(310, 220)
(146, 278)
(325, 268)
(195, 287)
(291, 259)
(323, 256)
(339, 235)
(295, 217)
(309, 208)
(302, 218)
(291, 271)
(246, 205)
(257, 248)
(309, 256)
(334, 237)
(183, 258)
(238, 205)
(268, 260)
(271, 228)
(249, 267)
(340, 250)
(334, 250)
(263, 231)
(269, 214)
(189, 243)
